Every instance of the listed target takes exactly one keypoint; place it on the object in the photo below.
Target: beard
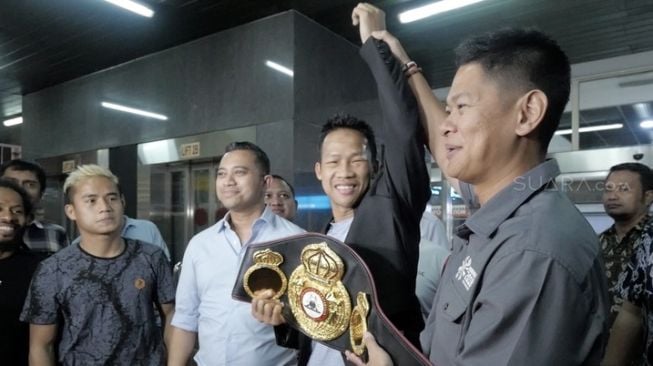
(619, 216)
(12, 245)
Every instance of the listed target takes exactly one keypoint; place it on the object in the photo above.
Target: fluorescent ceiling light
(644, 124)
(433, 9)
(613, 126)
(282, 69)
(140, 112)
(133, 7)
(13, 121)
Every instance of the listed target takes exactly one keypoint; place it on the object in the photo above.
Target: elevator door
(183, 202)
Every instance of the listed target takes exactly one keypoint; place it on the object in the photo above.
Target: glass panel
(561, 140)
(178, 201)
(202, 209)
(613, 109)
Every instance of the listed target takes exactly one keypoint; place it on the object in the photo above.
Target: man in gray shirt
(95, 300)
(524, 284)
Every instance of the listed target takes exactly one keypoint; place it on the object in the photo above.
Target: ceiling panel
(47, 42)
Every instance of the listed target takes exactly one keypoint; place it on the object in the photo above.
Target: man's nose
(105, 204)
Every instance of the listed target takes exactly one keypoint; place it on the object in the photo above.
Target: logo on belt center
(318, 299)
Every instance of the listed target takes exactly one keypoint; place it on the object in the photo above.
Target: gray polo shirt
(524, 285)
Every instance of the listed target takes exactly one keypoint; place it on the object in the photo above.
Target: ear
(267, 180)
(532, 108)
(70, 211)
(648, 197)
(318, 171)
(122, 199)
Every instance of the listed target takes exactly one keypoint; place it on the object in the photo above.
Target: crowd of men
(525, 280)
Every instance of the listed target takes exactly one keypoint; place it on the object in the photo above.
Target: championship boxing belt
(329, 293)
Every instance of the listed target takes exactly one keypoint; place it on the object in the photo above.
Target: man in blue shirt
(227, 333)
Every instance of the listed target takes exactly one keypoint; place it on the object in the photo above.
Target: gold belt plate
(317, 297)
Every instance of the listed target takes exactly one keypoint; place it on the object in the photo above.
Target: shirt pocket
(452, 306)
(452, 310)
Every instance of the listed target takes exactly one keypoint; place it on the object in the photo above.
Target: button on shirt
(227, 332)
(524, 285)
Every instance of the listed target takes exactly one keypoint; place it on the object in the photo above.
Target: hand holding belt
(329, 290)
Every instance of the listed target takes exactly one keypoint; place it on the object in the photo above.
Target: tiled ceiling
(47, 42)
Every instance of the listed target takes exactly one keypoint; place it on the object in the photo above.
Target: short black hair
(261, 157)
(645, 173)
(292, 189)
(27, 202)
(23, 165)
(346, 121)
(527, 59)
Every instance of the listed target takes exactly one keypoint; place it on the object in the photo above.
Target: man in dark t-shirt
(16, 268)
(103, 289)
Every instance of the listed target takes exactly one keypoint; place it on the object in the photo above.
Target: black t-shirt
(15, 275)
(106, 304)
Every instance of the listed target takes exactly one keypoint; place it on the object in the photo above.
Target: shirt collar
(37, 223)
(487, 219)
(127, 222)
(639, 227)
(267, 217)
(643, 222)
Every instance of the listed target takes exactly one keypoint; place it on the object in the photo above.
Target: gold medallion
(265, 274)
(139, 283)
(318, 299)
(358, 323)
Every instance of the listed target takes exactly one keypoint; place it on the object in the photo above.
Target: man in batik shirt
(629, 329)
(627, 197)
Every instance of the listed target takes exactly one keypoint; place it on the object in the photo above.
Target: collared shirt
(432, 259)
(616, 255)
(142, 230)
(524, 285)
(636, 285)
(227, 332)
(45, 237)
(432, 230)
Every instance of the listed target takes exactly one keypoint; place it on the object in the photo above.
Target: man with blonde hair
(103, 288)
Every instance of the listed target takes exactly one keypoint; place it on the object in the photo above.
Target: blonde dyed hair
(84, 172)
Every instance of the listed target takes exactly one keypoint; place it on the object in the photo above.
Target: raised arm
(431, 111)
(404, 169)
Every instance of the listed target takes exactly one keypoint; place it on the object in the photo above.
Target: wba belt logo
(318, 299)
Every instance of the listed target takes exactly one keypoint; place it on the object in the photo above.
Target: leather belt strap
(328, 290)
